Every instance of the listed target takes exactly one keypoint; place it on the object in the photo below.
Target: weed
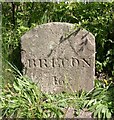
(101, 100)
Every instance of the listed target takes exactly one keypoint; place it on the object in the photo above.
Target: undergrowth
(22, 98)
(101, 101)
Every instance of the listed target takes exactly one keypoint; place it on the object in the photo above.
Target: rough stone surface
(70, 113)
(59, 57)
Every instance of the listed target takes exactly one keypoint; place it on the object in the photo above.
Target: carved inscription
(31, 63)
(54, 62)
(74, 62)
(43, 63)
(56, 54)
(57, 81)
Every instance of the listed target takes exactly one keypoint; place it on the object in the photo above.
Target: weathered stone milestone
(59, 57)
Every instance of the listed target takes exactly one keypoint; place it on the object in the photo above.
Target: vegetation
(101, 100)
(24, 99)
(20, 101)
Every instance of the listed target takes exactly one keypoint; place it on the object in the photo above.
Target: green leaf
(108, 114)
(17, 88)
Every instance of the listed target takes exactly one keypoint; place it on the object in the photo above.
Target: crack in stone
(64, 39)
(70, 43)
(82, 45)
(50, 53)
(73, 33)
(85, 35)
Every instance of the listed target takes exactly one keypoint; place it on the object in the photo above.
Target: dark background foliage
(97, 18)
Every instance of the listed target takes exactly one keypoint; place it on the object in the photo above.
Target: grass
(101, 101)
(22, 98)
